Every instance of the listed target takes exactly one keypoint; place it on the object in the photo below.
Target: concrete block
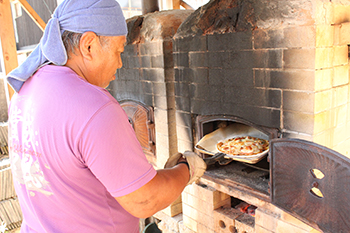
(341, 75)
(323, 79)
(324, 58)
(299, 58)
(198, 59)
(290, 37)
(219, 60)
(324, 36)
(323, 101)
(322, 122)
(181, 60)
(253, 97)
(154, 75)
(157, 61)
(293, 79)
(340, 95)
(231, 77)
(230, 41)
(299, 101)
(264, 59)
(341, 55)
(299, 122)
(186, 44)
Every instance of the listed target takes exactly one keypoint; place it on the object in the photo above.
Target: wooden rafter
(7, 35)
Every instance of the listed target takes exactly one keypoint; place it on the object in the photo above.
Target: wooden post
(31, 12)
(8, 41)
(176, 4)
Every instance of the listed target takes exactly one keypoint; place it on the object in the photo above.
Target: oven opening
(252, 177)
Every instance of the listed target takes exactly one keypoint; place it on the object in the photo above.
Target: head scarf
(104, 17)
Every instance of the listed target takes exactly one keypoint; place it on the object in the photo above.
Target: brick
(324, 58)
(341, 75)
(183, 119)
(190, 223)
(184, 229)
(224, 219)
(174, 209)
(266, 219)
(323, 79)
(298, 101)
(324, 35)
(200, 217)
(288, 228)
(205, 206)
(285, 217)
(259, 229)
(198, 75)
(245, 223)
(182, 89)
(297, 121)
(168, 60)
(341, 55)
(299, 58)
(285, 79)
(230, 41)
(323, 101)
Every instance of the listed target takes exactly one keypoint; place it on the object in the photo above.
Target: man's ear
(87, 40)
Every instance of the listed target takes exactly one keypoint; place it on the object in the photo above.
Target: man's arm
(157, 194)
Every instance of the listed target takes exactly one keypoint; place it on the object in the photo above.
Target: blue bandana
(104, 17)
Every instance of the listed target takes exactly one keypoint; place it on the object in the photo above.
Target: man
(76, 162)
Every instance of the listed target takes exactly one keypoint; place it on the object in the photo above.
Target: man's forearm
(157, 194)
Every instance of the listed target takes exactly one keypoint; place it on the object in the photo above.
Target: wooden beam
(176, 4)
(8, 40)
(186, 6)
(31, 12)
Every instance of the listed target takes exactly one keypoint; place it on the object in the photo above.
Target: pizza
(243, 146)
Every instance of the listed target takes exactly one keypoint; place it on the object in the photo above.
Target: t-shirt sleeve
(110, 149)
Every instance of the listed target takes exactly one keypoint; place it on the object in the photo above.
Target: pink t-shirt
(72, 151)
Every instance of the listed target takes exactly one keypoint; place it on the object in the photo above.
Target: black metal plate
(293, 182)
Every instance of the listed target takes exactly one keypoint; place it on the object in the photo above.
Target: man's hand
(197, 166)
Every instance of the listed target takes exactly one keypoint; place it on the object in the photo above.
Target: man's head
(93, 57)
(103, 17)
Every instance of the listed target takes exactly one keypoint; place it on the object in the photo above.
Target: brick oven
(279, 67)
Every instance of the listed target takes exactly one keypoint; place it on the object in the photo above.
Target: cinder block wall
(289, 71)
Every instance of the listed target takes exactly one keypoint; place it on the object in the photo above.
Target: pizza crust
(243, 146)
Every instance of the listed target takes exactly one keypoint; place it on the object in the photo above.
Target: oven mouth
(250, 177)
